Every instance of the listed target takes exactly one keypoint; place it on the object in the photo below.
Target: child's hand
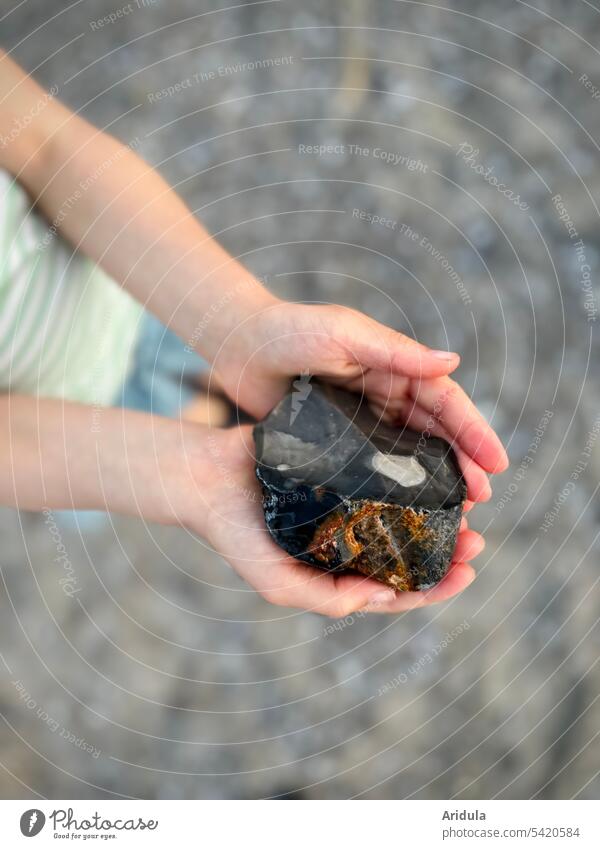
(405, 381)
(230, 515)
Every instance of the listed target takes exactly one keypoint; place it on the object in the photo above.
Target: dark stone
(343, 490)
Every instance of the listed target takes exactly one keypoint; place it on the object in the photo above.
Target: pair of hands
(404, 381)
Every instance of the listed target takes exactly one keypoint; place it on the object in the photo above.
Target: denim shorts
(160, 382)
(162, 372)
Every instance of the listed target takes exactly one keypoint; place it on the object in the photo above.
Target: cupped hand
(233, 522)
(404, 381)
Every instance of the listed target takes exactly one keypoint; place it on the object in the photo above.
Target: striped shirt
(66, 329)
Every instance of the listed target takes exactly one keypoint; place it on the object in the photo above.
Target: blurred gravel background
(165, 676)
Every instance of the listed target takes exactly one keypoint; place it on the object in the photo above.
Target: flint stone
(343, 490)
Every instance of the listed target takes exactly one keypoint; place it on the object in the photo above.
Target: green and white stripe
(66, 329)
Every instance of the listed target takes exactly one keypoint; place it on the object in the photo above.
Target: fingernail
(382, 597)
(448, 356)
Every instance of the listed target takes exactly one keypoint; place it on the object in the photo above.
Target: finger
(449, 404)
(394, 407)
(380, 386)
(478, 485)
(468, 545)
(286, 582)
(457, 579)
(291, 583)
(377, 346)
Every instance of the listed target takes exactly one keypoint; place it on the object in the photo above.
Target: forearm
(109, 203)
(59, 455)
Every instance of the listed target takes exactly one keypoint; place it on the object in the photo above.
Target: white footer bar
(300, 824)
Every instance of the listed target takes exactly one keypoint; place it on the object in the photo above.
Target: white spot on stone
(407, 471)
(283, 467)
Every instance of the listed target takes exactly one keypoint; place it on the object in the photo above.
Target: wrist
(217, 321)
(145, 464)
(173, 474)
